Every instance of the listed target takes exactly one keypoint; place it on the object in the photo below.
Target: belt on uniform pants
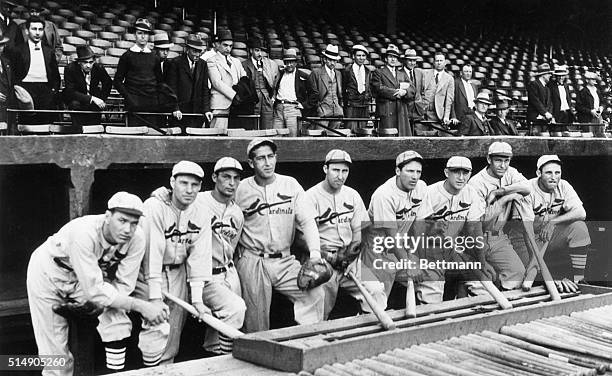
(222, 269)
(172, 266)
(270, 255)
(494, 233)
(282, 101)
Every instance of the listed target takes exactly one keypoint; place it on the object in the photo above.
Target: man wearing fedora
(188, 78)
(356, 86)
(325, 88)
(392, 90)
(87, 86)
(438, 92)
(415, 76)
(477, 124)
(264, 73)
(560, 95)
(224, 71)
(291, 94)
(499, 123)
(539, 102)
(589, 101)
(162, 45)
(465, 93)
(139, 79)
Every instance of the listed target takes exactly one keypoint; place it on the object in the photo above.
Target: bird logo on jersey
(258, 206)
(109, 262)
(330, 216)
(224, 230)
(554, 208)
(401, 214)
(446, 214)
(176, 236)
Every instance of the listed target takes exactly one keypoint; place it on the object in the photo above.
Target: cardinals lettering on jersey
(411, 211)
(177, 236)
(109, 262)
(446, 214)
(228, 231)
(336, 217)
(553, 209)
(259, 207)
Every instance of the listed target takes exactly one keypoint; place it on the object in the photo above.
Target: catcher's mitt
(313, 273)
(76, 310)
(342, 259)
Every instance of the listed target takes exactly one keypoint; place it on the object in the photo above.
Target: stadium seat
(116, 52)
(123, 44)
(100, 43)
(75, 41)
(108, 60)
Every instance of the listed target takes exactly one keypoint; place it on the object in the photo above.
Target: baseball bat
(548, 280)
(211, 321)
(410, 299)
(382, 316)
(500, 298)
(532, 270)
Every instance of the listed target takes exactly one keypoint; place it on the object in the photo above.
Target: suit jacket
(556, 98)
(191, 90)
(270, 72)
(584, 105)
(441, 94)
(20, 56)
(351, 96)
(76, 87)
(539, 100)
(392, 111)
(473, 126)
(50, 37)
(222, 78)
(460, 105)
(499, 128)
(11, 100)
(413, 109)
(301, 89)
(319, 93)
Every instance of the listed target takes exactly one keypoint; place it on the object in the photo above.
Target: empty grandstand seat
(63, 33)
(129, 37)
(108, 60)
(123, 44)
(84, 34)
(120, 30)
(107, 35)
(117, 52)
(71, 26)
(69, 49)
(75, 41)
(100, 43)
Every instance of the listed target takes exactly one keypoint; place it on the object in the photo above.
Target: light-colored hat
(227, 163)
(359, 47)
(591, 75)
(338, 156)
(332, 52)
(561, 70)
(459, 162)
(188, 168)
(546, 159)
(407, 156)
(543, 69)
(392, 50)
(259, 141)
(162, 41)
(126, 203)
(483, 97)
(500, 148)
(290, 54)
(195, 42)
(410, 54)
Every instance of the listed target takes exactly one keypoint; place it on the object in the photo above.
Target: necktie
(229, 64)
(36, 47)
(259, 65)
(192, 66)
(436, 78)
(412, 76)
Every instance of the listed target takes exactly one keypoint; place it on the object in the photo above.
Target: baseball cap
(500, 148)
(227, 163)
(187, 168)
(338, 156)
(126, 203)
(459, 162)
(406, 157)
(259, 141)
(546, 159)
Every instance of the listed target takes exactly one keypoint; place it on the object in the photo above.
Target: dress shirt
(135, 48)
(563, 96)
(37, 71)
(359, 71)
(392, 69)
(258, 64)
(331, 73)
(469, 92)
(286, 88)
(593, 91)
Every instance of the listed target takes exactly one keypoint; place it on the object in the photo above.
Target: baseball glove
(343, 258)
(76, 310)
(313, 273)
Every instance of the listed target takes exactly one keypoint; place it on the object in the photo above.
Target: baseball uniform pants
(260, 275)
(567, 249)
(386, 276)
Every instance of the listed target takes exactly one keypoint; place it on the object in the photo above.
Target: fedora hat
(560, 70)
(332, 52)
(410, 54)
(359, 47)
(392, 50)
(483, 97)
(290, 55)
(84, 53)
(502, 105)
(255, 43)
(143, 24)
(543, 69)
(223, 35)
(162, 41)
(195, 43)
(591, 75)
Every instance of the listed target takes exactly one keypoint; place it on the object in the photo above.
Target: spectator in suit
(415, 76)
(500, 124)
(162, 45)
(224, 72)
(188, 78)
(11, 96)
(438, 92)
(36, 70)
(7, 25)
(50, 36)
(588, 101)
(465, 92)
(477, 124)
(264, 73)
(291, 94)
(87, 87)
(325, 88)
(391, 89)
(560, 95)
(356, 86)
(539, 102)
(209, 51)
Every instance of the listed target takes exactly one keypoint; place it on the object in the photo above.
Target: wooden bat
(410, 299)
(382, 316)
(548, 280)
(211, 321)
(532, 270)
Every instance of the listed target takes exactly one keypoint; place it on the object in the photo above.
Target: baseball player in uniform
(392, 210)
(179, 254)
(223, 294)
(93, 259)
(273, 207)
(557, 215)
(340, 216)
(453, 207)
(499, 185)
